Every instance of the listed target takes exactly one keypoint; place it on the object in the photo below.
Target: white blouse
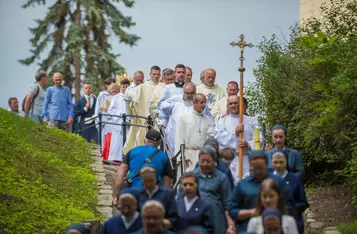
(288, 223)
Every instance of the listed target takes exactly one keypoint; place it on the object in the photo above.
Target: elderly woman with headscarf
(245, 193)
(295, 163)
(296, 189)
(214, 188)
(221, 165)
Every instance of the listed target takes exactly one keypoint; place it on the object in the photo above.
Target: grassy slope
(45, 179)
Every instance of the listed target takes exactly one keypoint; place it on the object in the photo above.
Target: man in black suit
(85, 108)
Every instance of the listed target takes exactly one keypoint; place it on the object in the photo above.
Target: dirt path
(332, 204)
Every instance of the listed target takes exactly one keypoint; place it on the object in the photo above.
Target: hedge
(46, 182)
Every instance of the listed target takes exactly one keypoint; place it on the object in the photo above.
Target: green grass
(348, 228)
(46, 182)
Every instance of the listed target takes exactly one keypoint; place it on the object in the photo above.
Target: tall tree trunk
(78, 58)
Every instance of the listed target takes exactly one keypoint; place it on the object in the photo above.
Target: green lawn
(46, 182)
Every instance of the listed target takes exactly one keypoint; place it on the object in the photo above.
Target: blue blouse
(295, 163)
(116, 225)
(245, 195)
(215, 189)
(200, 214)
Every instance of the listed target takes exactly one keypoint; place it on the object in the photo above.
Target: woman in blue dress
(191, 209)
(295, 163)
(245, 193)
(296, 189)
(214, 189)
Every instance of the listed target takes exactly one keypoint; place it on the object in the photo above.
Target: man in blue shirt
(59, 100)
(138, 157)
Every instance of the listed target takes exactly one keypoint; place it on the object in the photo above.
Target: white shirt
(151, 194)
(129, 222)
(189, 203)
(255, 225)
(91, 99)
(282, 176)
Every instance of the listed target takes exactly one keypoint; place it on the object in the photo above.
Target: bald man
(192, 129)
(211, 90)
(59, 100)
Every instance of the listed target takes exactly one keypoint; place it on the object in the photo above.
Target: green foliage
(348, 228)
(46, 182)
(88, 38)
(309, 84)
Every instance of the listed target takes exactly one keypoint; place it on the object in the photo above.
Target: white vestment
(192, 129)
(219, 108)
(131, 86)
(117, 107)
(168, 116)
(139, 98)
(158, 93)
(101, 97)
(213, 94)
(169, 91)
(225, 134)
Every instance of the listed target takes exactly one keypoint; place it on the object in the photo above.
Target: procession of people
(200, 128)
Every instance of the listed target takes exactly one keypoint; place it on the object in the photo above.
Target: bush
(46, 182)
(309, 85)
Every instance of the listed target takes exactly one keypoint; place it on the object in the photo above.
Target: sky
(196, 33)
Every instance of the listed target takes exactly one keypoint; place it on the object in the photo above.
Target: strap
(33, 99)
(147, 160)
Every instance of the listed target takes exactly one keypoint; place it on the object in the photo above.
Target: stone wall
(105, 177)
(314, 227)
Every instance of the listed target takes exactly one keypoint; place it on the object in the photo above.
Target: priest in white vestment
(139, 101)
(193, 129)
(212, 91)
(226, 132)
(177, 87)
(117, 107)
(168, 77)
(220, 107)
(170, 111)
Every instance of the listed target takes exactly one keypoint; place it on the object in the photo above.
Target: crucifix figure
(241, 44)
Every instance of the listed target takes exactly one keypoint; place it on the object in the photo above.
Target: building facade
(309, 8)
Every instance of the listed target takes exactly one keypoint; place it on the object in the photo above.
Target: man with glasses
(227, 131)
(220, 107)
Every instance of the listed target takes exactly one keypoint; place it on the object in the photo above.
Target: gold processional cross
(241, 44)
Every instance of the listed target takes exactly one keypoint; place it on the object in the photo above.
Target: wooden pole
(241, 44)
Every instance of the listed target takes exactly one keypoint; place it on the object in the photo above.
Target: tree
(77, 31)
(309, 85)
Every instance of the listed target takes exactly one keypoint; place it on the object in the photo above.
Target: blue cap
(279, 126)
(210, 149)
(257, 153)
(79, 227)
(280, 151)
(213, 142)
(271, 212)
